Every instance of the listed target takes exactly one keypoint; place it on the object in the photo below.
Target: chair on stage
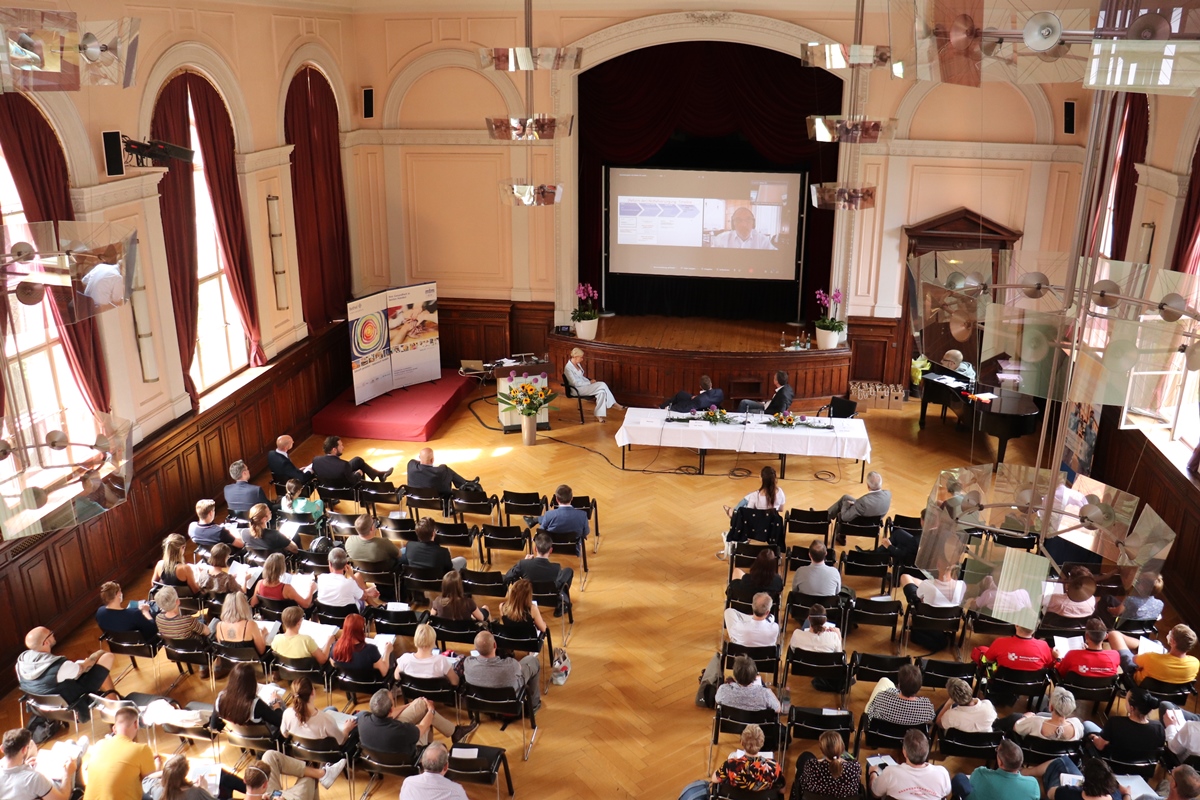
(569, 392)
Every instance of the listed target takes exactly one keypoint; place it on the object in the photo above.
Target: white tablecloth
(649, 426)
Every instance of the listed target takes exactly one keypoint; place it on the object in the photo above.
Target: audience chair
(242, 654)
(383, 574)
(290, 669)
(747, 606)
(882, 735)
(723, 791)
(975, 622)
(398, 529)
(797, 557)
(924, 617)
(373, 494)
(454, 631)
(589, 505)
(478, 584)
(202, 733)
(377, 765)
(417, 499)
(831, 667)
(1145, 768)
(1006, 683)
(569, 392)
(402, 622)
(190, 604)
(869, 564)
(1098, 690)
(509, 704)
(798, 604)
(744, 553)
(135, 645)
(766, 659)
(981, 746)
(435, 690)
(194, 652)
(1177, 693)
(318, 752)
(417, 581)
(734, 720)
(272, 610)
(341, 526)
(52, 706)
(812, 522)
(311, 562)
(871, 667)
(484, 767)
(356, 682)
(905, 523)
(839, 408)
(333, 615)
(335, 494)
(514, 640)
(477, 502)
(863, 527)
(935, 672)
(106, 709)
(456, 534)
(569, 545)
(522, 504)
(809, 723)
(880, 613)
(303, 523)
(550, 599)
(501, 537)
(252, 740)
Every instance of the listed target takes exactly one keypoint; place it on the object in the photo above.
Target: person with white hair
(1059, 726)
(753, 630)
(875, 503)
(585, 386)
(432, 783)
(964, 711)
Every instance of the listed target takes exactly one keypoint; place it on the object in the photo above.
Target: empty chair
(398, 622)
(135, 645)
(312, 562)
(483, 767)
(881, 613)
(398, 529)
(501, 537)
(373, 494)
(981, 745)
(507, 703)
(383, 574)
(333, 615)
(334, 494)
(871, 667)
(839, 408)
(810, 723)
(53, 706)
(477, 584)
(455, 534)
(867, 563)
(862, 527)
(734, 720)
(932, 620)
(341, 525)
(427, 499)
(522, 504)
(812, 522)
(829, 668)
(475, 501)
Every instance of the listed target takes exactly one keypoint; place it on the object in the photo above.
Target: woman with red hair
(352, 650)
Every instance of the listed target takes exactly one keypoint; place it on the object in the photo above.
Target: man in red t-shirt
(1093, 661)
(1021, 652)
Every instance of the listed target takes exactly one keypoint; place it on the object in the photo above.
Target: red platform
(411, 414)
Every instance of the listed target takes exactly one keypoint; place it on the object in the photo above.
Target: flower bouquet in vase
(528, 398)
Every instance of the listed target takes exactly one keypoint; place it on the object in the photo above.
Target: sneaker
(331, 773)
(462, 731)
(530, 521)
(721, 554)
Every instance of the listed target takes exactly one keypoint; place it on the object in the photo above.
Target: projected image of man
(743, 236)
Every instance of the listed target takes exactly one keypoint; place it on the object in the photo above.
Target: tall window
(221, 346)
(42, 393)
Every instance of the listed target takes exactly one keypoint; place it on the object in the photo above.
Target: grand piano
(1008, 416)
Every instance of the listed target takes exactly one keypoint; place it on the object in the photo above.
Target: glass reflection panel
(1169, 67)
(842, 197)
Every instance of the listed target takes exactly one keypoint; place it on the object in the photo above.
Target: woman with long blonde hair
(172, 569)
(262, 539)
(518, 611)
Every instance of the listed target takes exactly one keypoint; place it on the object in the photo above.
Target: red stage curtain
(215, 130)
(39, 170)
(310, 124)
(1134, 132)
(177, 205)
(630, 106)
(1187, 245)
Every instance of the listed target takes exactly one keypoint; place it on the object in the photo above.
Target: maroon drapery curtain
(39, 170)
(1187, 245)
(1135, 130)
(215, 130)
(706, 89)
(310, 124)
(177, 205)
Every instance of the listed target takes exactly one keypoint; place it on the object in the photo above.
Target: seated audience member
(113, 767)
(953, 359)
(748, 770)
(422, 474)
(1175, 667)
(833, 774)
(819, 578)
(206, 532)
(916, 778)
(241, 495)
(1141, 604)
(964, 711)
(763, 576)
(684, 402)
(279, 461)
(767, 497)
(369, 546)
(819, 636)
(586, 387)
(172, 569)
(296, 500)
(291, 643)
(172, 783)
(432, 783)
(1135, 737)
(453, 603)
(901, 544)
(262, 539)
(426, 553)
(757, 630)
(1182, 729)
(1003, 783)
(19, 780)
(943, 591)
(1020, 653)
(216, 580)
(1182, 783)
(1093, 661)
(490, 671)
(236, 627)
(264, 778)
(564, 517)
(39, 671)
(1078, 601)
(537, 567)
(394, 730)
(519, 617)
(240, 704)
(342, 585)
(303, 718)
(874, 504)
(1059, 726)
(425, 663)
(353, 652)
(778, 403)
(993, 600)
(171, 622)
(1099, 783)
(333, 470)
(115, 617)
(901, 703)
(745, 690)
(271, 586)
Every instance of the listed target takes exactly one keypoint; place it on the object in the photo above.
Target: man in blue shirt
(563, 519)
(1005, 783)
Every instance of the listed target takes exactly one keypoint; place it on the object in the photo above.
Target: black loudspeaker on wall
(368, 102)
(114, 155)
(1069, 117)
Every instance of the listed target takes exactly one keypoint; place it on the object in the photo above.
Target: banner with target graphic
(394, 339)
(370, 352)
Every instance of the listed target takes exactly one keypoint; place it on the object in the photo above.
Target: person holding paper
(818, 636)
(453, 603)
(280, 463)
(747, 770)
(303, 718)
(237, 627)
(916, 778)
(964, 711)
(1098, 781)
(833, 774)
(19, 780)
(261, 539)
(240, 703)
(291, 643)
(432, 783)
(900, 703)
(1093, 661)
(425, 663)
(1004, 783)
(115, 617)
(206, 532)
(39, 671)
(1175, 667)
(353, 652)
(368, 545)
(113, 767)
(214, 578)
(271, 585)
(173, 569)
(173, 784)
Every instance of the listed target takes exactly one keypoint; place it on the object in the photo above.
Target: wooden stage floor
(695, 334)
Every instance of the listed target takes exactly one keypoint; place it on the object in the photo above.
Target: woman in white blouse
(1059, 726)
(963, 711)
(589, 388)
(304, 719)
(425, 663)
(768, 495)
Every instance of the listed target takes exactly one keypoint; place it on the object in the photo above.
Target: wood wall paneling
(531, 324)
(491, 329)
(53, 579)
(875, 351)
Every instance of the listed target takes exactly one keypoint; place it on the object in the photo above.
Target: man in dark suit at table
(241, 495)
(777, 403)
(684, 403)
(333, 470)
(281, 466)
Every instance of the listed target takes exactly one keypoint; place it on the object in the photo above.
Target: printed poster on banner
(370, 352)
(412, 319)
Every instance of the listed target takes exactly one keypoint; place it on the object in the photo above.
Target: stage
(411, 414)
(648, 359)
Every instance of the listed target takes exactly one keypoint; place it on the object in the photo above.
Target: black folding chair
(192, 652)
(523, 504)
(570, 392)
(421, 580)
(960, 744)
(766, 659)
(333, 615)
(867, 563)
(935, 672)
(454, 631)
(501, 537)
(400, 622)
(435, 690)
(417, 499)
(384, 574)
(484, 767)
(934, 619)
(880, 613)
(1009, 683)
(828, 667)
(378, 764)
(871, 667)
(135, 645)
(863, 527)
(508, 703)
(589, 505)
(809, 723)
(812, 522)
(883, 735)
(317, 752)
(477, 502)
(734, 720)
(355, 682)
(483, 584)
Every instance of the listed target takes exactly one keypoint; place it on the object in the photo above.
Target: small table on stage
(648, 426)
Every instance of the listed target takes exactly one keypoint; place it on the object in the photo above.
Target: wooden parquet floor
(625, 725)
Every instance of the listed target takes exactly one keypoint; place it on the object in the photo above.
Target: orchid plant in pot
(585, 315)
(829, 326)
